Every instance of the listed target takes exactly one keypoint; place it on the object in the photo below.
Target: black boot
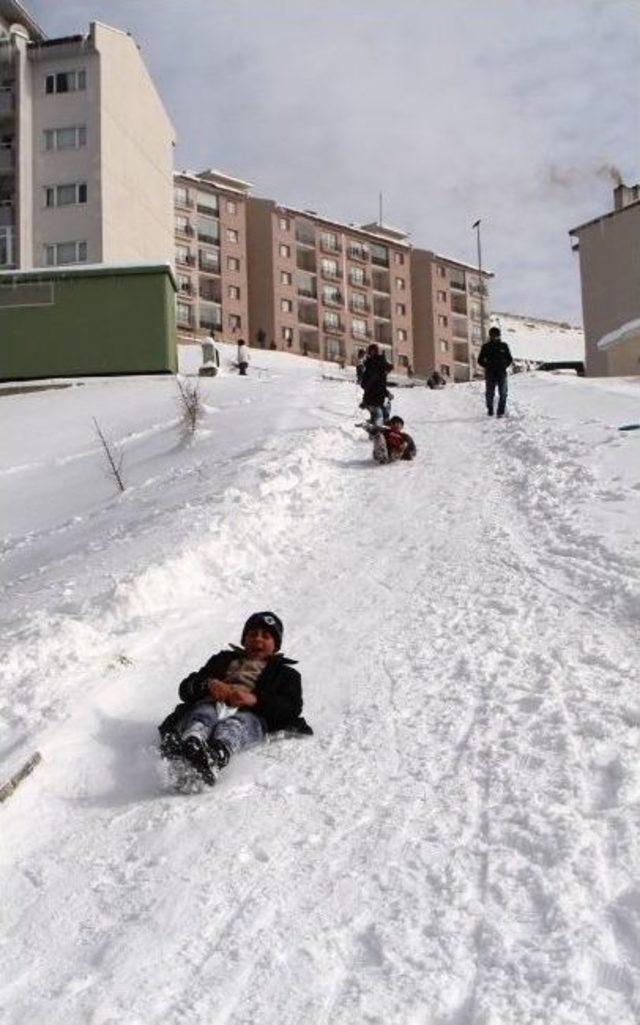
(197, 752)
(170, 745)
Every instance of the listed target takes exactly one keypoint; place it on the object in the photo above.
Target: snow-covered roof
(371, 231)
(216, 180)
(536, 339)
(622, 334)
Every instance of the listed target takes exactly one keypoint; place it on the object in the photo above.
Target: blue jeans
(492, 380)
(237, 731)
(376, 414)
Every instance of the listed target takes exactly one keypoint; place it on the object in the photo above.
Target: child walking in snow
(256, 680)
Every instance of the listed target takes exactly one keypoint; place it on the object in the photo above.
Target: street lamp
(476, 225)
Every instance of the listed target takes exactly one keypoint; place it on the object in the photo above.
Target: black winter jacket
(374, 380)
(495, 356)
(278, 690)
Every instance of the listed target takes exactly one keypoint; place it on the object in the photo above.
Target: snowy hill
(458, 843)
(540, 341)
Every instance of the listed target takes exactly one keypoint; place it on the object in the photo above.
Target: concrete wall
(610, 280)
(81, 322)
(137, 141)
(81, 222)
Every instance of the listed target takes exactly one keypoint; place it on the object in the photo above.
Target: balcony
(309, 341)
(185, 230)
(186, 261)
(308, 313)
(461, 353)
(306, 286)
(460, 328)
(381, 307)
(6, 214)
(207, 210)
(7, 158)
(332, 297)
(380, 281)
(210, 290)
(458, 283)
(379, 256)
(183, 201)
(7, 102)
(359, 304)
(459, 305)
(209, 263)
(185, 288)
(210, 319)
(306, 260)
(382, 334)
(361, 335)
(476, 289)
(305, 234)
(359, 280)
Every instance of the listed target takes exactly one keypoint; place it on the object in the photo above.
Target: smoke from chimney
(610, 172)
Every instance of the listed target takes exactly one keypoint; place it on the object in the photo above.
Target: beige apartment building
(325, 289)
(450, 315)
(609, 248)
(211, 255)
(86, 149)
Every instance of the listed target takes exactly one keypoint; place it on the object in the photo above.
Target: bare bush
(191, 406)
(114, 456)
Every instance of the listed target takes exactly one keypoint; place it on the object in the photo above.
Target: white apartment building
(86, 149)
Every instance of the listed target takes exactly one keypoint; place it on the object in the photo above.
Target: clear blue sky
(507, 110)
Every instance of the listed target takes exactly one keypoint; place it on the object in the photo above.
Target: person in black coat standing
(374, 383)
(495, 357)
(256, 680)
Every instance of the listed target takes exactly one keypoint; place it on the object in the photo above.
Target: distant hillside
(530, 338)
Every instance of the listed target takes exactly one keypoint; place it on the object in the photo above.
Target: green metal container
(77, 321)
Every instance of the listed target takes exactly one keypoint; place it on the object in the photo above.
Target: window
(284, 224)
(66, 195)
(357, 276)
(232, 206)
(286, 305)
(232, 235)
(330, 268)
(440, 271)
(444, 345)
(234, 321)
(210, 317)
(358, 251)
(400, 284)
(233, 263)
(183, 254)
(398, 258)
(379, 255)
(66, 82)
(442, 297)
(401, 309)
(286, 278)
(331, 320)
(184, 313)
(59, 253)
(209, 261)
(182, 223)
(284, 250)
(208, 230)
(358, 301)
(359, 327)
(181, 196)
(444, 370)
(329, 240)
(65, 138)
(184, 284)
(208, 204)
(287, 336)
(233, 292)
(402, 334)
(443, 321)
(331, 294)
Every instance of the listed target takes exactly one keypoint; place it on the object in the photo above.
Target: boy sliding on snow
(256, 680)
(390, 443)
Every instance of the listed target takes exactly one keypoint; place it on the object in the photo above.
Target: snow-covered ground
(459, 843)
(541, 341)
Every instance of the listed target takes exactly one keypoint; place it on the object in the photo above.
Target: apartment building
(211, 255)
(86, 149)
(609, 248)
(325, 289)
(450, 314)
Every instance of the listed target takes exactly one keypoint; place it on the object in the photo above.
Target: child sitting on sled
(390, 443)
(256, 680)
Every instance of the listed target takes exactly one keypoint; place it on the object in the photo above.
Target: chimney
(624, 195)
